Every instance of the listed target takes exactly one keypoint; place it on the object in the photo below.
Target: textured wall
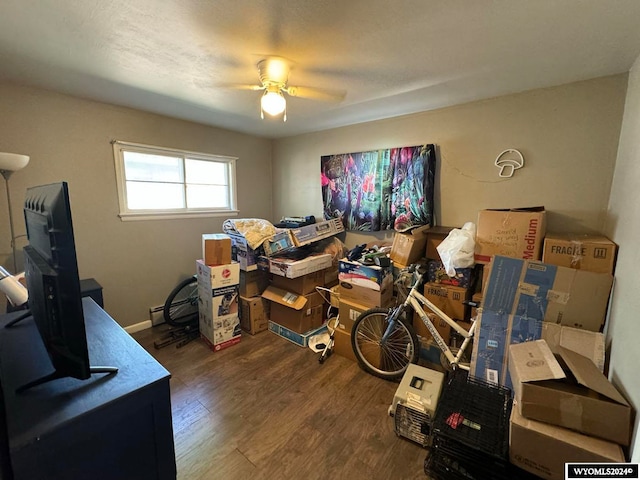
(567, 134)
(137, 263)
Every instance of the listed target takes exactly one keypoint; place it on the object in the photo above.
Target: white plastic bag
(456, 251)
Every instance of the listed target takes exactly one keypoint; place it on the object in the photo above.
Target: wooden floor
(266, 409)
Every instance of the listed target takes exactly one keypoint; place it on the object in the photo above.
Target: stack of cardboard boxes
(283, 290)
(218, 289)
(544, 298)
(361, 287)
(297, 309)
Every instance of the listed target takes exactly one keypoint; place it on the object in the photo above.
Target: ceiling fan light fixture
(273, 103)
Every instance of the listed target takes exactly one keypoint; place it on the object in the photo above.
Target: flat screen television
(53, 283)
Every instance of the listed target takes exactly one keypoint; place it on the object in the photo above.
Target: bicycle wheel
(181, 306)
(388, 360)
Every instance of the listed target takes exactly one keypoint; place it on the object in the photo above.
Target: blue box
(494, 334)
(301, 339)
(574, 298)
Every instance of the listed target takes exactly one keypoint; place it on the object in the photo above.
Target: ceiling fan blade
(314, 93)
(241, 86)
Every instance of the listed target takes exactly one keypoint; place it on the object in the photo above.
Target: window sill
(129, 217)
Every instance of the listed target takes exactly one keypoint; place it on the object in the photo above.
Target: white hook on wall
(510, 163)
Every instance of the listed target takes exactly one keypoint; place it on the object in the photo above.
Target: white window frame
(127, 214)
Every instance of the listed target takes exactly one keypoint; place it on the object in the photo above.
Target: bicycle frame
(416, 300)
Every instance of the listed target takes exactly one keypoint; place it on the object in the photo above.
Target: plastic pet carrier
(414, 403)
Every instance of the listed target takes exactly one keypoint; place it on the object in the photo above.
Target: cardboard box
(584, 342)
(219, 322)
(435, 236)
(303, 285)
(312, 233)
(253, 283)
(299, 313)
(348, 313)
(495, 332)
(436, 273)
(331, 276)
(442, 327)
(594, 253)
(514, 233)
(242, 253)
(370, 276)
(367, 296)
(216, 249)
(575, 298)
(408, 248)
(543, 449)
(342, 344)
(588, 403)
(448, 299)
(300, 339)
(254, 314)
(280, 243)
(295, 268)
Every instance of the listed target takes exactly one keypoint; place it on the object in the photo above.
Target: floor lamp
(9, 163)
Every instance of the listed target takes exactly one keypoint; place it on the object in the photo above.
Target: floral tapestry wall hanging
(380, 189)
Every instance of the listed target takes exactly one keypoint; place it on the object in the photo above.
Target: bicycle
(384, 341)
(180, 310)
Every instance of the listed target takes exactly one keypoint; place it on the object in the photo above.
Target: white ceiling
(174, 57)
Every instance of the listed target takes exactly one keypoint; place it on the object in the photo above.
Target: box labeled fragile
(511, 233)
(290, 268)
(216, 249)
(300, 339)
(317, 231)
(370, 276)
(575, 298)
(594, 253)
(575, 395)
(242, 253)
(451, 300)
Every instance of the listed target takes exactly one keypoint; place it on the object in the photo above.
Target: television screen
(51, 269)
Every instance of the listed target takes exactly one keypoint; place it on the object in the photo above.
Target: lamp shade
(10, 162)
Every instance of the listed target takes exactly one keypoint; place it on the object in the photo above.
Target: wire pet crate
(450, 460)
(475, 413)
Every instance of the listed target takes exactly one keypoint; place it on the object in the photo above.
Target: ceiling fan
(273, 72)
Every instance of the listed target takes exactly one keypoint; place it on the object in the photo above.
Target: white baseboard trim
(136, 327)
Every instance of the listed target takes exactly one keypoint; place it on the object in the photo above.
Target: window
(157, 182)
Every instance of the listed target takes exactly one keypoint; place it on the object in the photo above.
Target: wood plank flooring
(266, 409)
